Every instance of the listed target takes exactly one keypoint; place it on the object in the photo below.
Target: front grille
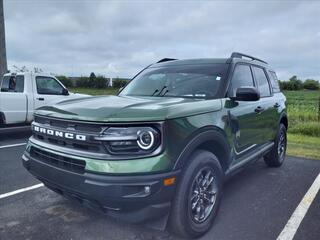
(66, 163)
(63, 124)
(82, 137)
(87, 146)
(88, 129)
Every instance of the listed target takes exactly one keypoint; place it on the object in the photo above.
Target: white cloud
(120, 38)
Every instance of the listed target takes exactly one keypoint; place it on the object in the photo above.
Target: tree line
(100, 81)
(92, 81)
(295, 84)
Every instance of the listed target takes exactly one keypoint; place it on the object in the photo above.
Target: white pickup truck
(23, 92)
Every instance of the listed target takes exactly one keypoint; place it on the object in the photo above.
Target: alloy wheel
(203, 195)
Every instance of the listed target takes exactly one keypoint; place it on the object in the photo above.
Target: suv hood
(126, 109)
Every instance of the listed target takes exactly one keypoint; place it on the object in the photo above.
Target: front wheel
(276, 157)
(198, 196)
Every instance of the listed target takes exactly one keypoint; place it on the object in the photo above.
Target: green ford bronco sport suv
(162, 148)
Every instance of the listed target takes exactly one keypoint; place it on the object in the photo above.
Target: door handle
(40, 99)
(259, 109)
(276, 105)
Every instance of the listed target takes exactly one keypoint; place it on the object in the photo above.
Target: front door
(48, 90)
(243, 117)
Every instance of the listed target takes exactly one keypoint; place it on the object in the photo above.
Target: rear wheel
(276, 157)
(198, 196)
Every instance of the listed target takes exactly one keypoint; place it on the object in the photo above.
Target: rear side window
(242, 77)
(48, 85)
(262, 81)
(274, 81)
(13, 84)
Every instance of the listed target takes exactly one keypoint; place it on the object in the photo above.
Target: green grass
(308, 128)
(303, 146)
(304, 125)
(304, 112)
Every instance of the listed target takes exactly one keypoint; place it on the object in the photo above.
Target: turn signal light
(169, 181)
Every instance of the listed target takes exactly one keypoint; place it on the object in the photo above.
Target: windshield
(195, 81)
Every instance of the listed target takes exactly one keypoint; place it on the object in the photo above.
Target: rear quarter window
(274, 81)
(262, 81)
(13, 84)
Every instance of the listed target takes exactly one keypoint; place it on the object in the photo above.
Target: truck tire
(2, 119)
(276, 156)
(198, 195)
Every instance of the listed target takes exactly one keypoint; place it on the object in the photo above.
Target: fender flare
(285, 116)
(200, 137)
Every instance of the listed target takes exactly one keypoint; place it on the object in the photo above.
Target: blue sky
(118, 38)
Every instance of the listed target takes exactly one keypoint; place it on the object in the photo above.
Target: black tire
(2, 119)
(182, 218)
(276, 156)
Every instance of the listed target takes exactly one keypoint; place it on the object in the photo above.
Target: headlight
(145, 139)
(130, 140)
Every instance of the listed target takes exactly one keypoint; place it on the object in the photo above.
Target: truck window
(48, 85)
(13, 84)
(262, 80)
(242, 77)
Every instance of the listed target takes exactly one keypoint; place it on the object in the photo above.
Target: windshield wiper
(164, 87)
(155, 91)
(165, 93)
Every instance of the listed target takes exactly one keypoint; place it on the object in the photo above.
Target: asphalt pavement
(257, 204)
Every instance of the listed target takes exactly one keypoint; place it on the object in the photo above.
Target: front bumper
(129, 197)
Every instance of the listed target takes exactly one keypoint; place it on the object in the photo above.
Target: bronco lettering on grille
(60, 133)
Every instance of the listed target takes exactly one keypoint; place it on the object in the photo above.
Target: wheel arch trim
(199, 138)
(284, 116)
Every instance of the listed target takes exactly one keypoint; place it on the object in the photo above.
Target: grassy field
(304, 123)
(303, 146)
(304, 120)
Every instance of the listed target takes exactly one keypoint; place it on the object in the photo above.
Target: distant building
(3, 55)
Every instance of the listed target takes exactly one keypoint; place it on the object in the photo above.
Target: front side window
(242, 77)
(14, 84)
(48, 85)
(262, 81)
(188, 81)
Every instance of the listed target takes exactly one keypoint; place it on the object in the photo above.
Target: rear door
(268, 114)
(244, 119)
(13, 100)
(47, 91)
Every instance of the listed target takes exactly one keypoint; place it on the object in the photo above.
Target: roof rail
(241, 55)
(166, 60)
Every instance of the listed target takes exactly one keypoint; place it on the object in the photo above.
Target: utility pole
(3, 55)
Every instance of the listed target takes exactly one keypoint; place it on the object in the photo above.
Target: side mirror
(65, 92)
(247, 94)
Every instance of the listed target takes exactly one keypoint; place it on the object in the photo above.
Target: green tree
(83, 82)
(65, 81)
(100, 82)
(311, 84)
(92, 80)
